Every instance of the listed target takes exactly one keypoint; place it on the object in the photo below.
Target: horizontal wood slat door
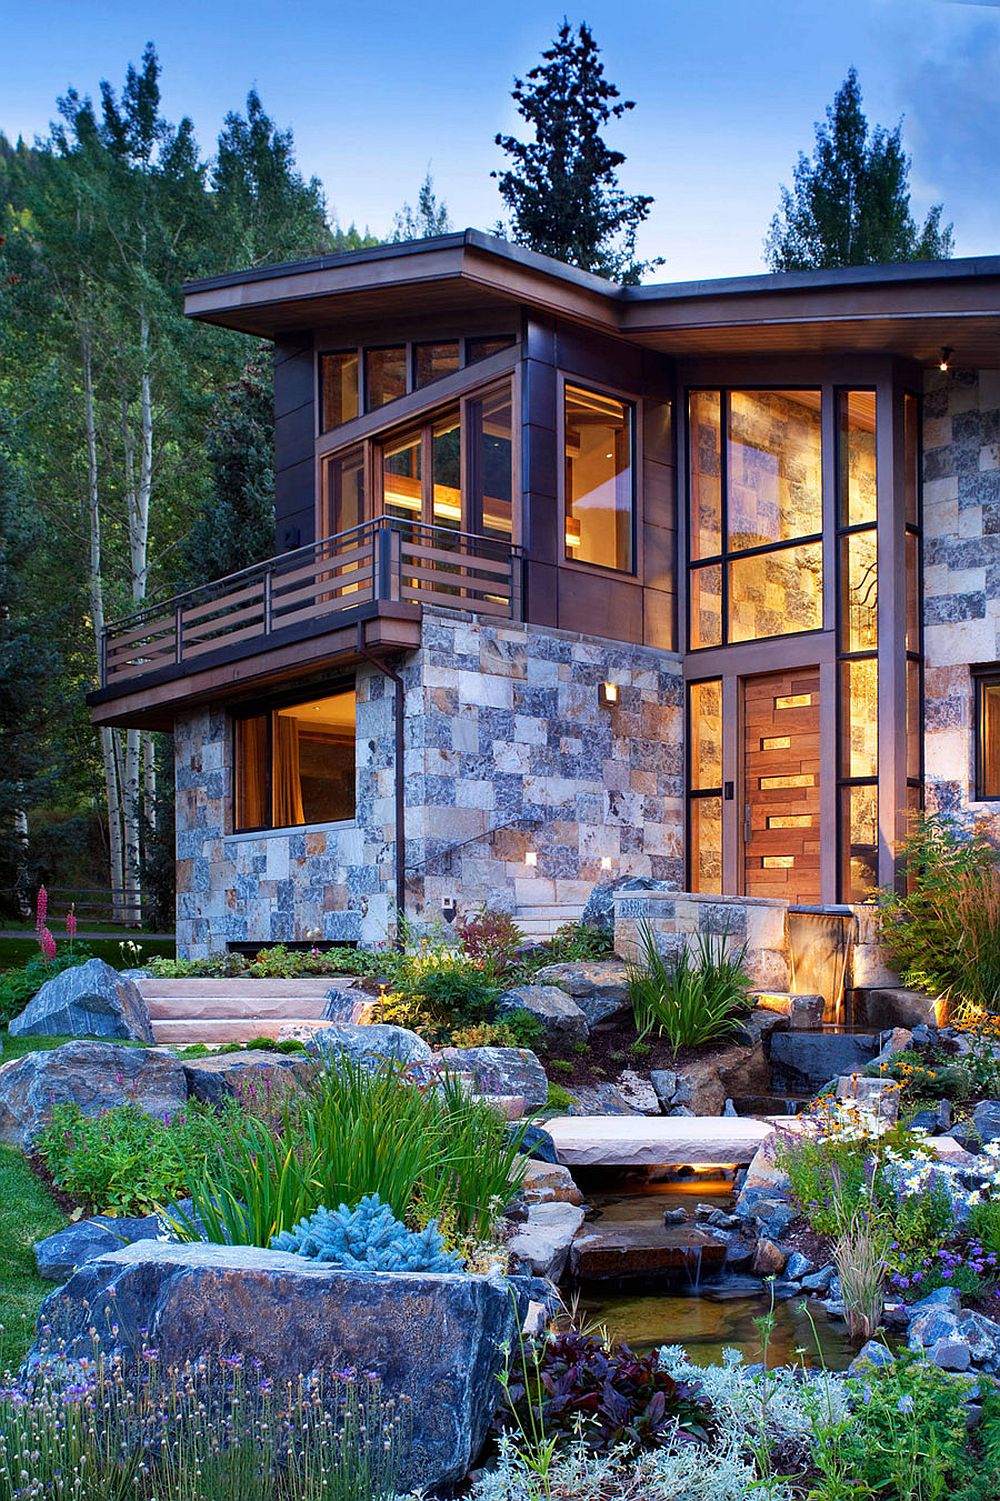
(781, 785)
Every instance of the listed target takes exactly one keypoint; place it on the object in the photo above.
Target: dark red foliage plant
(491, 940)
(570, 1384)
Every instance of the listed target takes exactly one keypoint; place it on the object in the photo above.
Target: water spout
(820, 940)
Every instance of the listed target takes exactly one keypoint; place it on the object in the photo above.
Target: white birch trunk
(95, 590)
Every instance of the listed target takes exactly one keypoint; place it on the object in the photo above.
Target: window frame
(268, 708)
(726, 557)
(633, 402)
(409, 345)
(986, 675)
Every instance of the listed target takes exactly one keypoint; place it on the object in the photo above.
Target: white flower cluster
(914, 1172)
(737, 1393)
(848, 1120)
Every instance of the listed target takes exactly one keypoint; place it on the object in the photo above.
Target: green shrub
(691, 998)
(462, 992)
(429, 1154)
(559, 1098)
(578, 943)
(518, 1029)
(943, 933)
(274, 963)
(126, 1162)
(19, 986)
(404, 1009)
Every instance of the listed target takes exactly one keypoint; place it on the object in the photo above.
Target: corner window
(600, 489)
(987, 690)
(294, 765)
(432, 361)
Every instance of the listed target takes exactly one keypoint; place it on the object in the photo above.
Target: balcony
(363, 587)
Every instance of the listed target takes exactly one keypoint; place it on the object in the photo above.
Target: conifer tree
(850, 202)
(562, 188)
(428, 219)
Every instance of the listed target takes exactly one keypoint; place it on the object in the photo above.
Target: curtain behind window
(251, 772)
(287, 777)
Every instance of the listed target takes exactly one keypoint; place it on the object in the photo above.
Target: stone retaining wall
(760, 922)
(508, 751)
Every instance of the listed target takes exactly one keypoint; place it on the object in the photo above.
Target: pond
(705, 1313)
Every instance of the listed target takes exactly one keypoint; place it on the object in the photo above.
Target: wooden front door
(781, 785)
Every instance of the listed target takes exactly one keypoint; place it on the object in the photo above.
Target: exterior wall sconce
(605, 862)
(607, 695)
(531, 858)
(944, 363)
(449, 909)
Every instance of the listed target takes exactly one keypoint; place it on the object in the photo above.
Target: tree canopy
(849, 204)
(562, 189)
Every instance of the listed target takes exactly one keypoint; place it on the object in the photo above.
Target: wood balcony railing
(383, 560)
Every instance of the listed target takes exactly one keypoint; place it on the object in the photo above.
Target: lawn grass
(15, 951)
(27, 1214)
(17, 1047)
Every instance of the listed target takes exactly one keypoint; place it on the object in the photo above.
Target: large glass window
(402, 484)
(446, 471)
(599, 479)
(295, 765)
(755, 515)
(345, 491)
(857, 643)
(385, 376)
(705, 784)
(491, 446)
(339, 386)
(987, 689)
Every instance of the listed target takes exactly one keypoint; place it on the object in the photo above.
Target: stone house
(572, 581)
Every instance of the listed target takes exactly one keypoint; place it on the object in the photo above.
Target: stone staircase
(541, 920)
(218, 1011)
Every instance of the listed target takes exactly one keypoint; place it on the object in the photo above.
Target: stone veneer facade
(508, 750)
(961, 575)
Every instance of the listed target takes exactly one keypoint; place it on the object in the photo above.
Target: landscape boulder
(501, 1071)
(372, 1045)
(93, 1075)
(563, 1022)
(536, 1143)
(986, 1121)
(802, 1062)
(550, 1183)
(637, 1092)
(599, 1099)
(599, 987)
(541, 1244)
(89, 1000)
(253, 1077)
(599, 911)
(346, 1003)
(434, 1339)
(704, 1084)
(58, 1256)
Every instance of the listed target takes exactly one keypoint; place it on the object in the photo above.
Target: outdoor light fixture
(449, 909)
(531, 857)
(607, 695)
(944, 363)
(605, 862)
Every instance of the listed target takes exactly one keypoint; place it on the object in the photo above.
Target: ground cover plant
(27, 1213)
(216, 1430)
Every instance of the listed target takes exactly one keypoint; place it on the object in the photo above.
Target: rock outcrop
(93, 1075)
(89, 1000)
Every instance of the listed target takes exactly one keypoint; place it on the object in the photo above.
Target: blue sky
(727, 92)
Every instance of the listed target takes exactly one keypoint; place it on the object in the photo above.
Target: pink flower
(47, 943)
(41, 909)
(71, 923)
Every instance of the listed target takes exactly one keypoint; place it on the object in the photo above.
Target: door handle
(747, 817)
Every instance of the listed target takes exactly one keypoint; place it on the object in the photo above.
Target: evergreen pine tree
(562, 188)
(850, 202)
(428, 219)
(235, 526)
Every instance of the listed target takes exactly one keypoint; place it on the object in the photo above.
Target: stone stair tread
(662, 1141)
(228, 1029)
(154, 987)
(209, 1008)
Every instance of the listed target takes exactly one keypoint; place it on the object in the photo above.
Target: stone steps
(542, 920)
(235, 1010)
(656, 1141)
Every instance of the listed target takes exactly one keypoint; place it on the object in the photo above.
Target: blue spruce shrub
(368, 1238)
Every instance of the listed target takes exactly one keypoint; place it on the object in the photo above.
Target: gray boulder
(599, 911)
(798, 1266)
(370, 1045)
(985, 1120)
(89, 1000)
(805, 1061)
(251, 1077)
(941, 1297)
(599, 987)
(434, 1339)
(501, 1071)
(58, 1256)
(346, 1004)
(950, 1354)
(872, 1353)
(564, 1023)
(93, 1075)
(541, 1244)
(818, 1282)
(535, 1142)
(600, 1099)
(664, 1082)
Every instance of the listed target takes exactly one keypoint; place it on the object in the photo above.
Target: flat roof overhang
(912, 309)
(152, 701)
